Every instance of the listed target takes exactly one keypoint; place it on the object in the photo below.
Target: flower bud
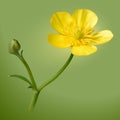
(14, 47)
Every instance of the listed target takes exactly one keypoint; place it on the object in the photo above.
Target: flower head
(77, 31)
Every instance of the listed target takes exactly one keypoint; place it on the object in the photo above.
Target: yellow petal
(83, 50)
(85, 19)
(102, 37)
(59, 41)
(61, 22)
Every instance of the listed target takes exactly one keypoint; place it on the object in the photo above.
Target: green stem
(28, 70)
(36, 94)
(34, 100)
(37, 90)
(57, 74)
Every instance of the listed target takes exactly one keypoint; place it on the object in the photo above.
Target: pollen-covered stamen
(78, 34)
(82, 37)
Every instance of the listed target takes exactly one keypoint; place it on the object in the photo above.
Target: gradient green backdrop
(89, 89)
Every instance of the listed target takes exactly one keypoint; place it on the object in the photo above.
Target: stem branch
(37, 90)
(57, 74)
(28, 70)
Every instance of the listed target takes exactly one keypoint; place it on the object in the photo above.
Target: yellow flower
(76, 31)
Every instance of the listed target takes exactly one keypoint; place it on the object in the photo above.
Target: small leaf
(22, 78)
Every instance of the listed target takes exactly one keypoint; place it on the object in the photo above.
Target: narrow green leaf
(22, 78)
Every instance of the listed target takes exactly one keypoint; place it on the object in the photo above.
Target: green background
(89, 89)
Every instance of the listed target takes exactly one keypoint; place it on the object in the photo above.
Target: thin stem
(28, 70)
(37, 90)
(34, 100)
(57, 74)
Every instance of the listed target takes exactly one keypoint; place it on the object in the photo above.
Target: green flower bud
(14, 47)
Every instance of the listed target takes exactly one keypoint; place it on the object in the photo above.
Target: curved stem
(37, 90)
(28, 70)
(57, 74)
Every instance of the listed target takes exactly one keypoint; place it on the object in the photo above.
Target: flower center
(79, 35)
(83, 36)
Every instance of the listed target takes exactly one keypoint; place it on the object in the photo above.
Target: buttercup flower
(77, 31)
